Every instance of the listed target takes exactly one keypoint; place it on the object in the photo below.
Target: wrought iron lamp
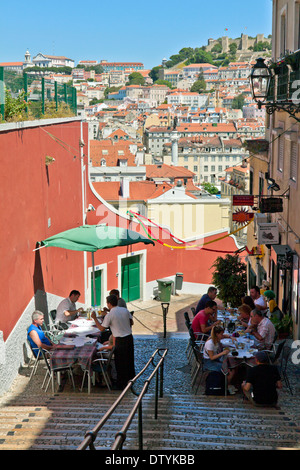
(260, 80)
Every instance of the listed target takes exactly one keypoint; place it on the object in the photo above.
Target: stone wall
(243, 43)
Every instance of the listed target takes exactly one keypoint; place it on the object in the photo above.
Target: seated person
(244, 312)
(265, 285)
(200, 323)
(66, 310)
(262, 381)
(213, 354)
(108, 345)
(211, 295)
(35, 334)
(259, 300)
(261, 328)
(121, 302)
(248, 301)
(273, 307)
(104, 350)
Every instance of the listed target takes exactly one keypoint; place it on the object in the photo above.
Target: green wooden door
(130, 278)
(98, 288)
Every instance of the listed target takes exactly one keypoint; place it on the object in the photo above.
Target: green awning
(94, 237)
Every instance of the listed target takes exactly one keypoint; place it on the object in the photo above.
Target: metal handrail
(120, 437)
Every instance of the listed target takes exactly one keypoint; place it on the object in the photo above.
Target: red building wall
(31, 195)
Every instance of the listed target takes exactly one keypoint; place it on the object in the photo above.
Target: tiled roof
(12, 64)
(167, 171)
(138, 190)
(110, 152)
(206, 127)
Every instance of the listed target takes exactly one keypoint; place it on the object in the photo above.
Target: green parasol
(94, 237)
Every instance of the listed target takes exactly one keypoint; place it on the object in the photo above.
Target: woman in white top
(213, 353)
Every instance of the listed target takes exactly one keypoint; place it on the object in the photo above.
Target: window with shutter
(294, 158)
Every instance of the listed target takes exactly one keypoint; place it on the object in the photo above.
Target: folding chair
(275, 357)
(52, 314)
(102, 365)
(188, 322)
(53, 333)
(199, 373)
(198, 342)
(36, 356)
(52, 372)
(283, 366)
(193, 310)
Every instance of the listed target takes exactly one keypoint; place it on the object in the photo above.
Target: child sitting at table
(213, 354)
(108, 345)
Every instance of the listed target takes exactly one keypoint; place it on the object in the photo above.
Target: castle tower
(244, 41)
(225, 44)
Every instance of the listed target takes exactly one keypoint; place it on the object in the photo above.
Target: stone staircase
(59, 422)
(31, 419)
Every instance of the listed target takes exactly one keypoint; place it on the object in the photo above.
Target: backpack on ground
(215, 383)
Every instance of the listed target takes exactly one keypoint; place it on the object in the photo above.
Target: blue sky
(124, 31)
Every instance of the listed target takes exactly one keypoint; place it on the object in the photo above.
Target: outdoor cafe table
(245, 355)
(83, 336)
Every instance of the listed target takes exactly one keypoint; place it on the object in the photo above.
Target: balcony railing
(284, 81)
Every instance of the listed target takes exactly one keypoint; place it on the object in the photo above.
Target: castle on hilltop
(243, 43)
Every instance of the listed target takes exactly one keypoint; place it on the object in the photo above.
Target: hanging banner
(243, 200)
(267, 234)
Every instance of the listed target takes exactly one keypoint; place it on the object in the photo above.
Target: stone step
(184, 422)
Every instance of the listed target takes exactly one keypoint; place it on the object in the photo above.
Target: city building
(108, 66)
(44, 60)
(279, 170)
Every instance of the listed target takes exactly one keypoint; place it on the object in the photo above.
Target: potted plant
(230, 279)
(283, 326)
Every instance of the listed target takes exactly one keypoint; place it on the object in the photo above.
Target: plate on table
(227, 342)
(84, 330)
(66, 341)
(243, 354)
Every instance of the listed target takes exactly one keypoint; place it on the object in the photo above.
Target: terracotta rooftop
(167, 171)
(111, 152)
(138, 190)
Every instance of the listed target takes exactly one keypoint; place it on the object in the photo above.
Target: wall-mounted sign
(243, 200)
(271, 204)
(285, 261)
(267, 234)
(242, 216)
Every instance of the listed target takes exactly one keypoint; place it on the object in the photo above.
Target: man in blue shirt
(35, 334)
(211, 295)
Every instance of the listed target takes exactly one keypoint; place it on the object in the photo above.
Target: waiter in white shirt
(119, 320)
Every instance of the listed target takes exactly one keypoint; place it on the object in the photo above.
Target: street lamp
(260, 79)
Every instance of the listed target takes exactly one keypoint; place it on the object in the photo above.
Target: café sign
(243, 200)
